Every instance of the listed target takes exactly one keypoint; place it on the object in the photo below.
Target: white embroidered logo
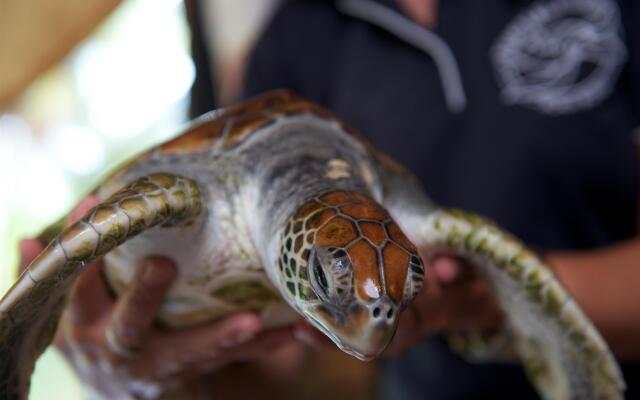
(560, 56)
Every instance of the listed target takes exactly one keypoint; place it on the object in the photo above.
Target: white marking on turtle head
(337, 169)
(338, 163)
(371, 289)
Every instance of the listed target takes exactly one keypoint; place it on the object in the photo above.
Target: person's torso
(544, 145)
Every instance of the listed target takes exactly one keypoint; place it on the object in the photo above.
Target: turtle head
(349, 270)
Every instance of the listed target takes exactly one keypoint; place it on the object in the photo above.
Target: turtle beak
(364, 331)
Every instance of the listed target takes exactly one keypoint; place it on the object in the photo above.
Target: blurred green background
(121, 90)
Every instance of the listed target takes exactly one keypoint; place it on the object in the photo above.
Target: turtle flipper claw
(29, 311)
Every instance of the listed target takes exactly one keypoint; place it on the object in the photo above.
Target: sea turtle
(277, 199)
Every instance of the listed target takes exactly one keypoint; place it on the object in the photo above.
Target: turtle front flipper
(30, 310)
(563, 353)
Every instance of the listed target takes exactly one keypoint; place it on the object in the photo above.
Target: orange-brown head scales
(349, 269)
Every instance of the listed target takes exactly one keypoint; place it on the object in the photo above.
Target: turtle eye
(341, 261)
(320, 278)
(342, 272)
(331, 274)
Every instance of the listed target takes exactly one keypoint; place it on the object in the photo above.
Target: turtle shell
(227, 128)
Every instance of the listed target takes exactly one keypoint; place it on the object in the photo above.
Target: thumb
(446, 269)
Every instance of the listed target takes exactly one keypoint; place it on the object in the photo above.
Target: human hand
(115, 348)
(454, 298)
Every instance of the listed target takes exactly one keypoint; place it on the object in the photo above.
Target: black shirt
(544, 145)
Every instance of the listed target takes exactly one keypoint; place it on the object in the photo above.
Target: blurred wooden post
(36, 34)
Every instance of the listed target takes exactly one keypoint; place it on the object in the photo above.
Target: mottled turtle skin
(275, 205)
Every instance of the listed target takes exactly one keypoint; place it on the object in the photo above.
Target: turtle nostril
(376, 312)
(390, 313)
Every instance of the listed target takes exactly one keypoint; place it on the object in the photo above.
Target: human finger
(90, 299)
(447, 269)
(265, 344)
(193, 342)
(452, 270)
(172, 353)
(81, 209)
(29, 250)
(137, 308)
(473, 306)
(310, 336)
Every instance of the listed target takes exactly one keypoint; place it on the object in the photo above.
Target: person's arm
(606, 284)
